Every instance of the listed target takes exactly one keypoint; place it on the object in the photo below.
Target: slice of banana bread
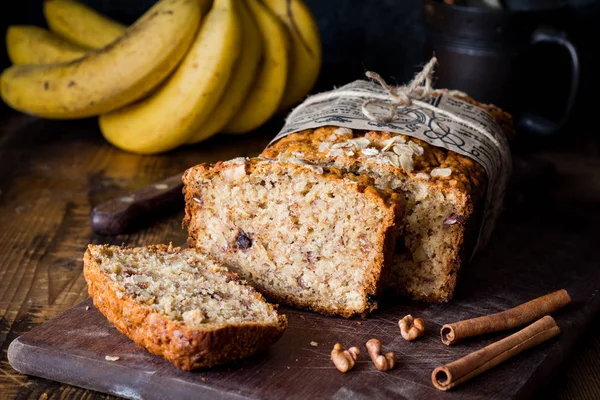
(179, 304)
(306, 236)
(444, 194)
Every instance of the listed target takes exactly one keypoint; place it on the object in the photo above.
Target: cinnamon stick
(518, 316)
(473, 364)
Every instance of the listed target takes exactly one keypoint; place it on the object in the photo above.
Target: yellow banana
(205, 6)
(80, 24)
(175, 111)
(109, 78)
(269, 84)
(28, 44)
(241, 79)
(305, 60)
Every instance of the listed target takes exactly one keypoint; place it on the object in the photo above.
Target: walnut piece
(344, 360)
(441, 172)
(411, 328)
(383, 362)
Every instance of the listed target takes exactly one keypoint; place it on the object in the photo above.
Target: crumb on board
(203, 379)
(87, 308)
(314, 344)
(288, 367)
(358, 323)
(111, 358)
(302, 317)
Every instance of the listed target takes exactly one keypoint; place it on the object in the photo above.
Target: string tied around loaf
(415, 93)
(401, 96)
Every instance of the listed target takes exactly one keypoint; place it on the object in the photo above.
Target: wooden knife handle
(119, 215)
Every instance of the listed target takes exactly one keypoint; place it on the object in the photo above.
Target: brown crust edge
(183, 347)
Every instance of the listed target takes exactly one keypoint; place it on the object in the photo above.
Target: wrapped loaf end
(306, 236)
(444, 194)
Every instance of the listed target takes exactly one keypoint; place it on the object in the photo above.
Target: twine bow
(400, 96)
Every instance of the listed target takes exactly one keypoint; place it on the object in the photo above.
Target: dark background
(382, 35)
(388, 36)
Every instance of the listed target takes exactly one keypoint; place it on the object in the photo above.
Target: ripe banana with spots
(181, 105)
(80, 24)
(241, 80)
(269, 84)
(28, 44)
(111, 77)
(306, 57)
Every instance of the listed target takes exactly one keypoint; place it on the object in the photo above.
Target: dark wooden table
(53, 173)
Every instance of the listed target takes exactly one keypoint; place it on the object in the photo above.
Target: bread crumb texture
(180, 304)
(309, 237)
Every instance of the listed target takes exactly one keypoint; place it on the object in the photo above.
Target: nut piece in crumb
(418, 150)
(314, 344)
(406, 162)
(441, 172)
(193, 318)
(235, 172)
(237, 160)
(388, 143)
(323, 146)
(383, 362)
(370, 151)
(361, 142)
(411, 328)
(343, 132)
(344, 360)
(112, 358)
(422, 175)
(402, 149)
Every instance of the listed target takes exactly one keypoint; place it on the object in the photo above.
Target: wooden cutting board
(532, 254)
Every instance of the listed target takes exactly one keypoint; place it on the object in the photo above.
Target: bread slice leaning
(306, 236)
(179, 304)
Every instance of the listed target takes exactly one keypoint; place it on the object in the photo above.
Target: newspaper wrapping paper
(481, 139)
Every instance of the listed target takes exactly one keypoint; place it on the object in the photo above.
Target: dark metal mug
(481, 51)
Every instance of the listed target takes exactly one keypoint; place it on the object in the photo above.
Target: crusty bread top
(199, 174)
(467, 176)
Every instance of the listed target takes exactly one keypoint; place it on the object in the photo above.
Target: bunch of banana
(186, 70)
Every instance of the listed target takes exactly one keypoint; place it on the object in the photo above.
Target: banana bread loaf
(306, 236)
(179, 304)
(444, 194)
